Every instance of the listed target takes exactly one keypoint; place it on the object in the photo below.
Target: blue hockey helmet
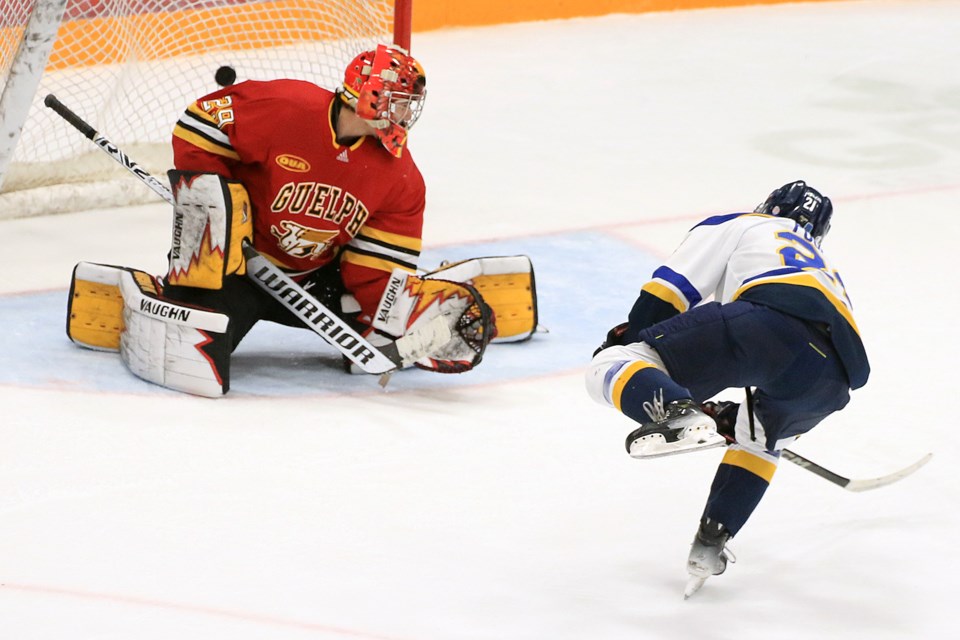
(806, 205)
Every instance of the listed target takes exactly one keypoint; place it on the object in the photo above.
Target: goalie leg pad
(175, 346)
(211, 219)
(410, 305)
(180, 347)
(507, 285)
(95, 306)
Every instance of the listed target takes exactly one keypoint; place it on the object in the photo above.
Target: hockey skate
(678, 427)
(708, 556)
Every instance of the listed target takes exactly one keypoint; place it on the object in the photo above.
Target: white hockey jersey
(766, 260)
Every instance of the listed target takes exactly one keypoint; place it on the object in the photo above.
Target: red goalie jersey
(314, 200)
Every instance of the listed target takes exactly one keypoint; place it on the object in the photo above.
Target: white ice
(501, 504)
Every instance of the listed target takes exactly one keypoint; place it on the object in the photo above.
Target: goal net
(130, 67)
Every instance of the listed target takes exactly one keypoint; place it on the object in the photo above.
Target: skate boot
(708, 556)
(675, 428)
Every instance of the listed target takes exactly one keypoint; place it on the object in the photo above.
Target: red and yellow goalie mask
(387, 88)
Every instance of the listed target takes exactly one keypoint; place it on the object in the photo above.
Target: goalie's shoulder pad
(410, 305)
(177, 346)
(508, 287)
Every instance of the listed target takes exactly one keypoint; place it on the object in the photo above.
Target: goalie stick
(311, 312)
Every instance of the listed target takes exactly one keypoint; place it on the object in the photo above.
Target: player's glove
(724, 413)
(615, 336)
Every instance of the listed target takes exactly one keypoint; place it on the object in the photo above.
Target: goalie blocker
(177, 346)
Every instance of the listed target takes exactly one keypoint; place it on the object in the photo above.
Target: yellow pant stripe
(752, 463)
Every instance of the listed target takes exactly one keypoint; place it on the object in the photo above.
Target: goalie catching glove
(409, 304)
(507, 286)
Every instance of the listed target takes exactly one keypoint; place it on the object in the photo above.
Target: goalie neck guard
(387, 88)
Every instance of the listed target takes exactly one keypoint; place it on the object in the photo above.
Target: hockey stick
(334, 330)
(849, 484)
(311, 312)
(108, 147)
(864, 484)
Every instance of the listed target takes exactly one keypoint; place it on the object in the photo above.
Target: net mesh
(130, 67)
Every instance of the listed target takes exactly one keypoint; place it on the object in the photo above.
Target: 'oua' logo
(293, 163)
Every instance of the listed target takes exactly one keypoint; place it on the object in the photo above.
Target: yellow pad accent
(241, 228)
(95, 315)
(205, 269)
(203, 262)
(510, 295)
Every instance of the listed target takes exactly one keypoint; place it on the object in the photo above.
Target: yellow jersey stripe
(752, 463)
(201, 142)
(628, 372)
(203, 115)
(804, 280)
(333, 133)
(666, 294)
(373, 263)
(395, 239)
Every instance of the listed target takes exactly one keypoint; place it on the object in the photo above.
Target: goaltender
(322, 185)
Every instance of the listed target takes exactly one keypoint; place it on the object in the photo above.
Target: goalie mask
(386, 87)
(806, 205)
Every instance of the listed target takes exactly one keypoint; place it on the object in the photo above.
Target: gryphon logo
(303, 242)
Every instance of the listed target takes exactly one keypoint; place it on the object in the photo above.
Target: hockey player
(780, 320)
(322, 185)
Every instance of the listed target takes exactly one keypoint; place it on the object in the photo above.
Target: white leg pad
(163, 343)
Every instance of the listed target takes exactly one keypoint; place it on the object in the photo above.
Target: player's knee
(612, 363)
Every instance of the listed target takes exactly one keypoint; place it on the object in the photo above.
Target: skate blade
(693, 585)
(656, 446)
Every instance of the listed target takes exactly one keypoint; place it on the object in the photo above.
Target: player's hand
(614, 337)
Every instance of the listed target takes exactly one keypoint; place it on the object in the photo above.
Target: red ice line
(209, 611)
(617, 226)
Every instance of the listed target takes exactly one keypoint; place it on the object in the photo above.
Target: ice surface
(501, 504)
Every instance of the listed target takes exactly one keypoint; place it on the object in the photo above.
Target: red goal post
(130, 67)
